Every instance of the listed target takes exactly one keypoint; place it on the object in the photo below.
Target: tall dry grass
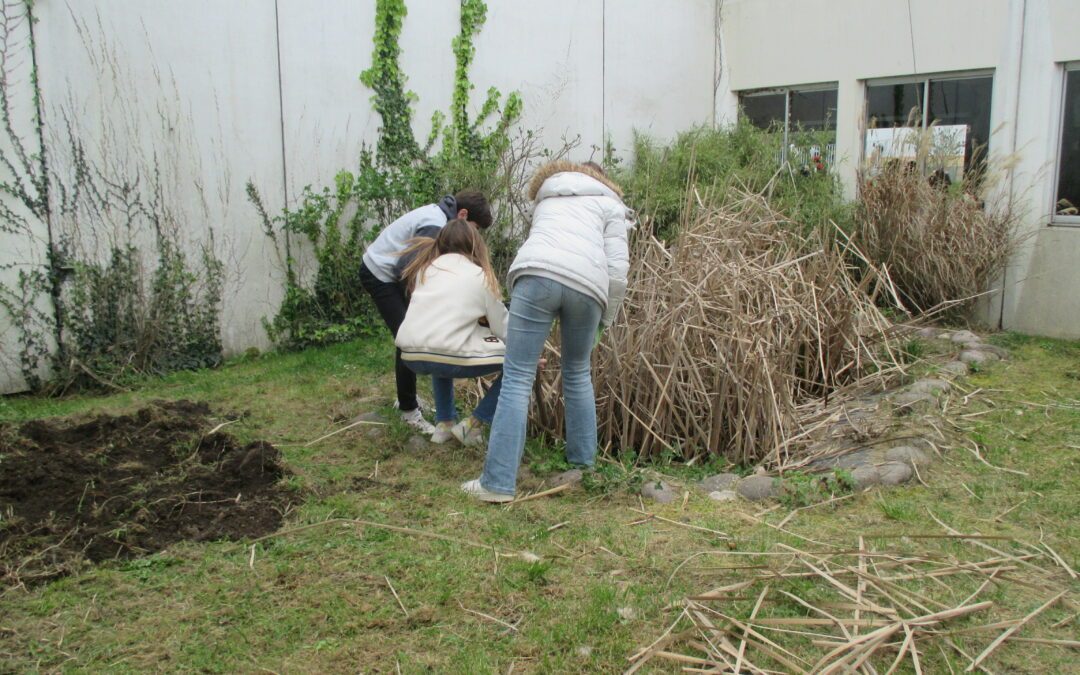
(942, 245)
(725, 334)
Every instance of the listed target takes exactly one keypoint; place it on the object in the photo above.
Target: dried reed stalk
(898, 624)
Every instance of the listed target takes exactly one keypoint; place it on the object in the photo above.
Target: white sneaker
(469, 432)
(473, 488)
(415, 419)
(442, 433)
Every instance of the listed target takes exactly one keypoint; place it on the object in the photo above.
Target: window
(957, 109)
(805, 117)
(1067, 208)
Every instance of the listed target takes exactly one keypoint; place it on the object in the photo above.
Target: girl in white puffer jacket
(572, 267)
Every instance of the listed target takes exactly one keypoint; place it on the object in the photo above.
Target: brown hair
(477, 205)
(458, 236)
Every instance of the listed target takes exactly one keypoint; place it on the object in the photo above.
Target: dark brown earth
(108, 488)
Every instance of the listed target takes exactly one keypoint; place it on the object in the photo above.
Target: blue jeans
(442, 385)
(535, 303)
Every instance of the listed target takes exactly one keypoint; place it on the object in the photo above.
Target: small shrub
(742, 158)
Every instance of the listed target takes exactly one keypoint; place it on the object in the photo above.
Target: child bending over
(455, 324)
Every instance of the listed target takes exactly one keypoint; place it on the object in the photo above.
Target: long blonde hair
(458, 236)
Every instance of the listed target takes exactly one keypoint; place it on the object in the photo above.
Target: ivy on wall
(87, 317)
(398, 175)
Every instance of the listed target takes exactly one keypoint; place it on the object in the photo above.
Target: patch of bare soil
(120, 487)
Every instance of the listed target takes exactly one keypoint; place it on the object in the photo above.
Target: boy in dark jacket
(380, 276)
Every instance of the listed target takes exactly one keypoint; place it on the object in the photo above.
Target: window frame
(924, 80)
(787, 91)
(1059, 138)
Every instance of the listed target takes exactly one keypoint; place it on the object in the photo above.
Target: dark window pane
(1068, 192)
(964, 102)
(892, 105)
(764, 110)
(813, 110)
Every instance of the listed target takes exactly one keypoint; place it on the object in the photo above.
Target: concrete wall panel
(660, 80)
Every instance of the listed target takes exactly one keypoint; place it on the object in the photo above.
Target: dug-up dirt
(108, 488)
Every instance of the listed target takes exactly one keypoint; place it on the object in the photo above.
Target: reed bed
(870, 609)
(731, 340)
(942, 246)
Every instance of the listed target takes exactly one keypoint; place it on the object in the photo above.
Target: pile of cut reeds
(724, 337)
(865, 610)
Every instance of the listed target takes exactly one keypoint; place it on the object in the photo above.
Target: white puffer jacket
(578, 234)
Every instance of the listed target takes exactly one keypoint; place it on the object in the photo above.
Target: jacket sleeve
(618, 222)
(497, 314)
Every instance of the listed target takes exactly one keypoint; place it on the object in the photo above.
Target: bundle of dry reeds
(864, 610)
(942, 246)
(723, 335)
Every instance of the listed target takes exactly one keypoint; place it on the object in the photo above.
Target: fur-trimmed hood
(562, 166)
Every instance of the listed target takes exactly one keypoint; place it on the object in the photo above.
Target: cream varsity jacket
(442, 322)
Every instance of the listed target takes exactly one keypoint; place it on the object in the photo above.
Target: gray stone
(417, 443)
(945, 336)
(571, 477)
(962, 336)
(723, 496)
(756, 488)
(995, 350)
(895, 473)
(930, 386)
(912, 401)
(721, 481)
(909, 454)
(928, 332)
(865, 476)
(976, 356)
(846, 461)
(954, 368)
(658, 491)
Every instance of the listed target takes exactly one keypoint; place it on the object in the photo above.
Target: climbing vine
(398, 175)
(114, 294)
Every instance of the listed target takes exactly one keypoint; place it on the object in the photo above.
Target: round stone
(658, 491)
(910, 401)
(865, 476)
(756, 488)
(962, 336)
(954, 368)
(721, 481)
(723, 496)
(930, 386)
(417, 443)
(928, 332)
(907, 453)
(975, 356)
(571, 477)
(895, 473)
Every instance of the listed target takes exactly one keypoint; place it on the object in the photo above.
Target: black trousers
(391, 301)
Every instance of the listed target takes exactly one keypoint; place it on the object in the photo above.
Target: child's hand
(541, 363)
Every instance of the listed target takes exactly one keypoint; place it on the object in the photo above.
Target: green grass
(319, 599)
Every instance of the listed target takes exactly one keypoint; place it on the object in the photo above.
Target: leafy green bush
(716, 160)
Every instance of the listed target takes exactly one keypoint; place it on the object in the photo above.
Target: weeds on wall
(399, 174)
(115, 295)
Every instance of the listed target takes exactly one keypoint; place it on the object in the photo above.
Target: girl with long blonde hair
(455, 326)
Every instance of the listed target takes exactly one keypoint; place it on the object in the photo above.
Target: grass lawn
(572, 583)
